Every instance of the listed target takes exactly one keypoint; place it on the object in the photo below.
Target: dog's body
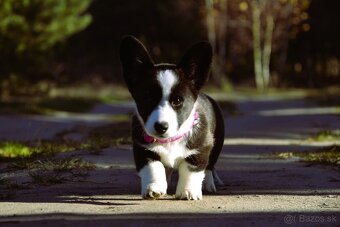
(175, 126)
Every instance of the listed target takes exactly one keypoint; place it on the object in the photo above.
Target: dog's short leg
(211, 179)
(168, 172)
(153, 180)
(189, 183)
(208, 183)
(217, 179)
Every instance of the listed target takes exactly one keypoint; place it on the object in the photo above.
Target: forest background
(257, 43)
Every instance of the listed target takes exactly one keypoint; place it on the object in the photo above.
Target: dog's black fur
(191, 73)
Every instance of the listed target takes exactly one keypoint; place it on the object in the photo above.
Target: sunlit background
(257, 43)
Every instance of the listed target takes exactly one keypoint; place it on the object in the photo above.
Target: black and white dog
(175, 126)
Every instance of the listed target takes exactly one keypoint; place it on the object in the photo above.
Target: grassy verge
(55, 171)
(45, 168)
(326, 135)
(46, 106)
(103, 93)
(326, 97)
(47, 171)
(12, 150)
(17, 150)
(93, 139)
(74, 99)
(324, 156)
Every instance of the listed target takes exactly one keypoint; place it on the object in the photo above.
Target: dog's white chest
(172, 154)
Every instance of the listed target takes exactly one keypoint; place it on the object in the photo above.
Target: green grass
(324, 156)
(15, 150)
(20, 150)
(326, 135)
(45, 169)
(104, 93)
(94, 139)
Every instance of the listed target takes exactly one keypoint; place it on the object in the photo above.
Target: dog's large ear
(196, 62)
(134, 56)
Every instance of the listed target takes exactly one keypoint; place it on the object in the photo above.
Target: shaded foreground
(259, 189)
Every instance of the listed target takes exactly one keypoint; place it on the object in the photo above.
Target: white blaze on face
(164, 112)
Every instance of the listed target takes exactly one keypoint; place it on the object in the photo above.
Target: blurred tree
(272, 24)
(314, 55)
(222, 28)
(168, 27)
(30, 28)
(216, 23)
(39, 24)
(262, 52)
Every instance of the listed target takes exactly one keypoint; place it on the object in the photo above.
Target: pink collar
(150, 139)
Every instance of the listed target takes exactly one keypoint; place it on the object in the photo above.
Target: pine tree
(38, 25)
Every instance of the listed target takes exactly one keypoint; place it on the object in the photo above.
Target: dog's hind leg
(208, 183)
(211, 180)
(217, 179)
(168, 172)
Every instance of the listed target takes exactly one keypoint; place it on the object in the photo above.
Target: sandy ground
(258, 191)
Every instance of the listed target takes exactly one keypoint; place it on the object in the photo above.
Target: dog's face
(165, 94)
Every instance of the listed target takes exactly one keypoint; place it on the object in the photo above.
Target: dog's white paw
(189, 194)
(154, 191)
(153, 180)
(189, 183)
(208, 182)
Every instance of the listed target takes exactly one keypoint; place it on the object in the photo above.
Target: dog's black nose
(161, 127)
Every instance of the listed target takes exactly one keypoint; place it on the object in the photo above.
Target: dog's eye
(177, 101)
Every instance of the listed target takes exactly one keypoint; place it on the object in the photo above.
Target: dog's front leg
(153, 180)
(189, 183)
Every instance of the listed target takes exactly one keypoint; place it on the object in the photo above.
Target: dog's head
(165, 94)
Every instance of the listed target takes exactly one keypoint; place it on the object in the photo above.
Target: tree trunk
(209, 4)
(284, 50)
(222, 36)
(257, 50)
(212, 37)
(267, 49)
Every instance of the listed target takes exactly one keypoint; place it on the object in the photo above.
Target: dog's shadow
(241, 173)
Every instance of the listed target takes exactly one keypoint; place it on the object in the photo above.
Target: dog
(175, 126)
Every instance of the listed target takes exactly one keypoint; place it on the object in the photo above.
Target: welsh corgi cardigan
(175, 126)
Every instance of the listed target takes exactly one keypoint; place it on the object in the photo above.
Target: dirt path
(259, 191)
